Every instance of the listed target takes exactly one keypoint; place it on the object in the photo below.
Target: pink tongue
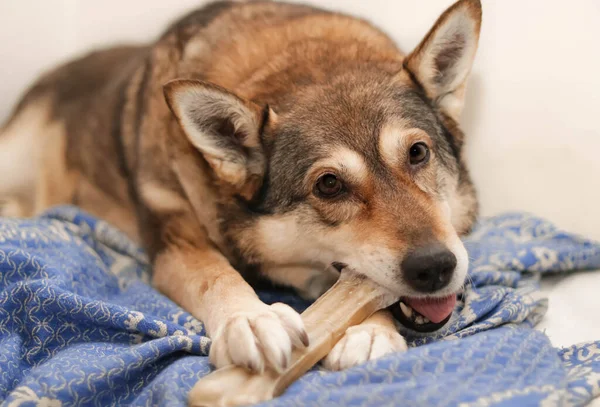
(434, 309)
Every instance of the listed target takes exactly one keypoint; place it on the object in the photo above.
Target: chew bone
(351, 300)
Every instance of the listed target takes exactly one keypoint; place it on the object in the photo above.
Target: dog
(266, 140)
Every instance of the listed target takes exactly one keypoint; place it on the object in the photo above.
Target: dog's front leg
(245, 331)
(373, 338)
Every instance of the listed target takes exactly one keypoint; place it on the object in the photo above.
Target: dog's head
(364, 170)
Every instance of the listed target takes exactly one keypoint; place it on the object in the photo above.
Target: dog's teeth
(406, 310)
(420, 320)
(426, 321)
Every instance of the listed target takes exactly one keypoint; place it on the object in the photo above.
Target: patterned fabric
(79, 325)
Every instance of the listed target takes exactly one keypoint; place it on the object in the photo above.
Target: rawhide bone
(351, 300)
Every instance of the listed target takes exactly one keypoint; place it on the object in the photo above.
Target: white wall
(533, 109)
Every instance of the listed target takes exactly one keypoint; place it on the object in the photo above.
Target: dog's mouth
(419, 314)
(424, 314)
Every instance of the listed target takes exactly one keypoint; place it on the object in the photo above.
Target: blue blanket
(80, 325)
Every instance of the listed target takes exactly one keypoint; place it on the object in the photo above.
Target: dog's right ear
(224, 128)
(442, 61)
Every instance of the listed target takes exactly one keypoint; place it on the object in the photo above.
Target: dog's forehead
(346, 119)
(355, 116)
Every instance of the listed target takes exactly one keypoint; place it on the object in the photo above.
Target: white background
(532, 114)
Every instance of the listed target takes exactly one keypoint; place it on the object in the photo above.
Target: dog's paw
(259, 338)
(362, 343)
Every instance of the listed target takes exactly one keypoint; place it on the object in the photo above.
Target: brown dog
(271, 138)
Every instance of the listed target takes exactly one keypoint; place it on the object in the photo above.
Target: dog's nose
(429, 268)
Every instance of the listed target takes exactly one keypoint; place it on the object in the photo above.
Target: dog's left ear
(225, 129)
(442, 61)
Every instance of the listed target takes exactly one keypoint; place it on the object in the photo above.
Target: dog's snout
(429, 268)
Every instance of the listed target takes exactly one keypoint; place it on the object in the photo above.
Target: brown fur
(112, 142)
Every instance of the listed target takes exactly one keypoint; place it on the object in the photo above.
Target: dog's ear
(442, 61)
(225, 128)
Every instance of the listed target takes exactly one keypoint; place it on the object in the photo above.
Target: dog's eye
(329, 186)
(419, 153)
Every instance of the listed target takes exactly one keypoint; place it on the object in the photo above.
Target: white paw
(362, 343)
(259, 338)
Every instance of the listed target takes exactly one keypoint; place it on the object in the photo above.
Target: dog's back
(58, 146)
